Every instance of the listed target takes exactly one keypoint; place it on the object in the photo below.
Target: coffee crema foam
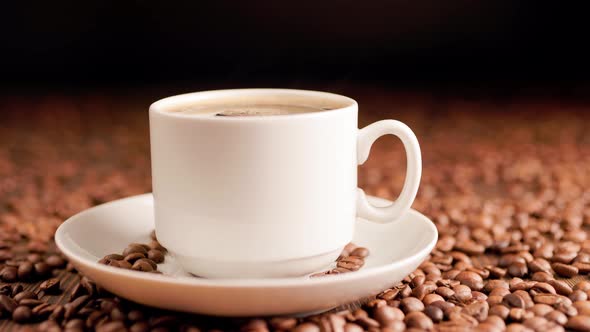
(246, 110)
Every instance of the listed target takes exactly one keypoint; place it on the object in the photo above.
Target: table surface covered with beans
(505, 180)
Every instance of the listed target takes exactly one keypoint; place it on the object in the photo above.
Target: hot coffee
(239, 110)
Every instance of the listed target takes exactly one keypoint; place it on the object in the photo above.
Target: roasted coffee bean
(518, 284)
(405, 291)
(470, 247)
(434, 313)
(118, 314)
(93, 318)
(55, 261)
(557, 316)
(446, 307)
(564, 270)
(470, 279)
(106, 261)
(151, 262)
(583, 307)
(34, 258)
(430, 298)
(528, 301)
(25, 270)
(514, 301)
(135, 248)
(131, 258)
(75, 324)
(8, 274)
(164, 321)
(583, 285)
(112, 327)
(50, 286)
(496, 272)
(385, 315)
(360, 252)
(493, 284)
(156, 245)
(501, 292)
(583, 268)
(85, 311)
(499, 310)
(539, 265)
(462, 293)
(7, 304)
(495, 299)
(445, 292)
(115, 257)
(542, 276)
(25, 295)
(536, 323)
(49, 326)
(142, 327)
(421, 291)
(42, 269)
(156, 256)
(579, 323)
(107, 305)
(493, 323)
(142, 265)
(578, 296)
(417, 319)
(478, 310)
(72, 308)
(417, 281)
(411, 304)
(6, 290)
(58, 313)
(22, 314)
(389, 294)
(43, 310)
(283, 323)
(541, 309)
(561, 287)
(351, 263)
(517, 314)
(31, 303)
(463, 319)
(124, 264)
(135, 316)
(517, 269)
(549, 299)
(478, 296)
(542, 287)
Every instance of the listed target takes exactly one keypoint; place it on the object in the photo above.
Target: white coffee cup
(265, 196)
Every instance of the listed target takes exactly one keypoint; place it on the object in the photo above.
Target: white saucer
(396, 250)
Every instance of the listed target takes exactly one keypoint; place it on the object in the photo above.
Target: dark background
(433, 45)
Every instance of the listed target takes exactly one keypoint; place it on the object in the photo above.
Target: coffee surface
(245, 110)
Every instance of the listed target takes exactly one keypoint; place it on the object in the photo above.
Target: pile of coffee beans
(508, 191)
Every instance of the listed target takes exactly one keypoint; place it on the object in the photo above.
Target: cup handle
(366, 138)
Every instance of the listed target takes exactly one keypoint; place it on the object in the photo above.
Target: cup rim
(158, 106)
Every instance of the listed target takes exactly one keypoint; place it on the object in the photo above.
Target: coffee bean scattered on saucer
(146, 257)
(351, 259)
(138, 256)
